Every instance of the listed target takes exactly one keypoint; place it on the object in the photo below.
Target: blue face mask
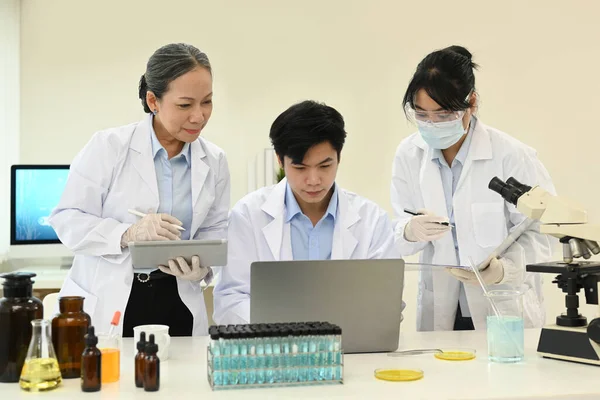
(441, 135)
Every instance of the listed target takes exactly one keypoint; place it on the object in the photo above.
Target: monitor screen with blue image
(35, 191)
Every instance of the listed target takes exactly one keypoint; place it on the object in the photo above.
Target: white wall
(81, 62)
(9, 110)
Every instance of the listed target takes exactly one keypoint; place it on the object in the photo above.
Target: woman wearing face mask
(442, 172)
(159, 166)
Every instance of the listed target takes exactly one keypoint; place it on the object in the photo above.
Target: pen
(411, 212)
(141, 214)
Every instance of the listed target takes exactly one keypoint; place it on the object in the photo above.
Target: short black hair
(447, 76)
(305, 125)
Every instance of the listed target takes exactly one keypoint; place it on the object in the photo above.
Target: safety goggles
(433, 116)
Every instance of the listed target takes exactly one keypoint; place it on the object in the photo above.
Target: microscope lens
(575, 247)
(567, 253)
(593, 246)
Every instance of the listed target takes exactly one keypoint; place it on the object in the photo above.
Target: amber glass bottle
(140, 360)
(91, 364)
(68, 335)
(17, 309)
(151, 367)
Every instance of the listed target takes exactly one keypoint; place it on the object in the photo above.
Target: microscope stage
(580, 267)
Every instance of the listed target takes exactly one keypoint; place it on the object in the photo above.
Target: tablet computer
(153, 254)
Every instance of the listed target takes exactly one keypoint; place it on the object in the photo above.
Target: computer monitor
(35, 191)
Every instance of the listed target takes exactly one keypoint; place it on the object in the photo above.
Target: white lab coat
(482, 218)
(258, 232)
(113, 173)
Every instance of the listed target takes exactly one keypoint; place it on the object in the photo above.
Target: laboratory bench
(183, 375)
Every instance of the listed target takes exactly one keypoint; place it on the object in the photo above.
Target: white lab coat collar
(141, 157)
(480, 149)
(277, 232)
(200, 171)
(143, 161)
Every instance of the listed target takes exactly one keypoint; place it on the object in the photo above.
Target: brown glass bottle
(68, 335)
(17, 309)
(91, 364)
(151, 367)
(140, 359)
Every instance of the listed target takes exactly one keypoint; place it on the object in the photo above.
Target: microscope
(572, 338)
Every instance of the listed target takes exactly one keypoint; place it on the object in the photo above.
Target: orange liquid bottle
(111, 361)
(110, 347)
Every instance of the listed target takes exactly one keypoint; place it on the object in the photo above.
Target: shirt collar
(158, 148)
(293, 208)
(461, 156)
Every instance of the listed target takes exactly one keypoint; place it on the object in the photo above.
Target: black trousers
(157, 301)
(462, 323)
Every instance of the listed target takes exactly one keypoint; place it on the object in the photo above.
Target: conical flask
(40, 371)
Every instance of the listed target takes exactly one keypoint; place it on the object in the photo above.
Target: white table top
(184, 376)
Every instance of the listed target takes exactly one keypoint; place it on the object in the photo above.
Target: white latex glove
(181, 269)
(152, 227)
(493, 274)
(425, 228)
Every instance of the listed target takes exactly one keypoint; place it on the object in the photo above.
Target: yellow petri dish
(456, 354)
(398, 375)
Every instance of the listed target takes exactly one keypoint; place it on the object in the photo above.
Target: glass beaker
(40, 371)
(110, 347)
(505, 327)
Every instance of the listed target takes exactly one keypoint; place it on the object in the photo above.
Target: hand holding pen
(425, 226)
(424, 212)
(152, 227)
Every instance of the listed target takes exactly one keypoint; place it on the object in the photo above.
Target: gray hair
(167, 64)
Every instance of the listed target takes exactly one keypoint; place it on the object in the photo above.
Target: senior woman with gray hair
(162, 168)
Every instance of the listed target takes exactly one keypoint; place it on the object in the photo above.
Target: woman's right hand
(152, 227)
(426, 227)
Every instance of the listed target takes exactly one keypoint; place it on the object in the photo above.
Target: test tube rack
(274, 355)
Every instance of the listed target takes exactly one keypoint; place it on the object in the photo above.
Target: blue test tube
(330, 357)
(322, 349)
(337, 348)
(295, 358)
(235, 358)
(286, 362)
(251, 360)
(215, 352)
(313, 356)
(243, 360)
(268, 343)
(303, 338)
(260, 355)
(278, 362)
(225, 344)
(291, 360)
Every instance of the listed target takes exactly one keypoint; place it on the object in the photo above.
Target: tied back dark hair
(305, 125)
(167, 64)
(446, 76)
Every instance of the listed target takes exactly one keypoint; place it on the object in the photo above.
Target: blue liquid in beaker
(505, 343)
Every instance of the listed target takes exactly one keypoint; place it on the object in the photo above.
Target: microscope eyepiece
(513, 182)
(510, 190)
(497, 185)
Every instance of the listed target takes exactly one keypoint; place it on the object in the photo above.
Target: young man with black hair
(306, 216)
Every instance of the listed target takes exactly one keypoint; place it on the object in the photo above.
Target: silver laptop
(364, 297)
